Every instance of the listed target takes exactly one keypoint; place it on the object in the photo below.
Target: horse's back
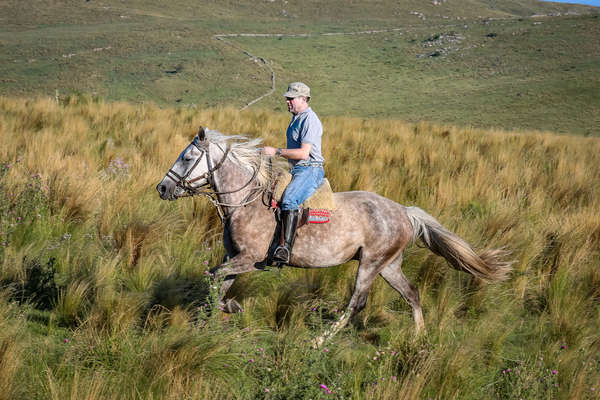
(364, 199)
(362, 221)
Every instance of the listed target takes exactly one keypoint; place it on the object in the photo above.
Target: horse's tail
(488, 266)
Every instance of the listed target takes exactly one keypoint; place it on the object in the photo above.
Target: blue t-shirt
(305, 127)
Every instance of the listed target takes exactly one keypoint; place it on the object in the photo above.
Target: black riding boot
(289, 219)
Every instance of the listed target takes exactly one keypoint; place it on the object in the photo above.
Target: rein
(186, 184)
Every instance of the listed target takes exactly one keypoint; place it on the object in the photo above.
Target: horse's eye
(187, 159)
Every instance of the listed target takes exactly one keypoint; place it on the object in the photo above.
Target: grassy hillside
(507, 73)
(104, 293)
(511, 64)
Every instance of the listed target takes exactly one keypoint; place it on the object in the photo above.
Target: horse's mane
(246, 153)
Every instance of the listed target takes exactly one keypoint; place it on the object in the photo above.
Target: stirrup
(278, 256)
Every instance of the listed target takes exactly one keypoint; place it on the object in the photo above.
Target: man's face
(296, 104)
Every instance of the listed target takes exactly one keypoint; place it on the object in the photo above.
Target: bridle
(187, 186)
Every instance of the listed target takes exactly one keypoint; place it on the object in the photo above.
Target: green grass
(535, 73)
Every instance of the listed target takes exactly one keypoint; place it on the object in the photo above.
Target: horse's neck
(233, 178)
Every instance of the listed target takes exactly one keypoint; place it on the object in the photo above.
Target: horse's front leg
(228, 271)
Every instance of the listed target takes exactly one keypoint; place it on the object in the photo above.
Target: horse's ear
(201, 134)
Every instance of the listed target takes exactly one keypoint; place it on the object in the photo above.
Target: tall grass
(104, 294)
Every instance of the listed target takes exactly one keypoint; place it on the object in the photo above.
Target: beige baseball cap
(297, 89)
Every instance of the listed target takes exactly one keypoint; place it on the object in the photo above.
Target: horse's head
(190, 172)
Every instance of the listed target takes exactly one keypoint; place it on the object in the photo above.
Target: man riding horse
(304, 156)
(372, 229)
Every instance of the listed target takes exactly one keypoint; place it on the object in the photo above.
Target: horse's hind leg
(367, 272)
(396, 279)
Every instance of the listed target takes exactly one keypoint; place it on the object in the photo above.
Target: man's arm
(291, 154)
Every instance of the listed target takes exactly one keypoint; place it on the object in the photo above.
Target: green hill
(510, 64)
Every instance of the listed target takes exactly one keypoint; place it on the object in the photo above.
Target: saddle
(316, 209)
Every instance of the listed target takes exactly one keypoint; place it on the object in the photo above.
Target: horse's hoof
(232, 306)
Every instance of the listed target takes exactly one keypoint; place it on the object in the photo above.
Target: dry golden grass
(10, 355)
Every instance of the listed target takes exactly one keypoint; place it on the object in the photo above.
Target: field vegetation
(104, 294)
(103, 288)
(513, 64)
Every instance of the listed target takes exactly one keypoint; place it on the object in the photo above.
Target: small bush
(38, 286)
(20, 205)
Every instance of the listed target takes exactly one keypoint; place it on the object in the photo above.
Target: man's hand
(269, 151)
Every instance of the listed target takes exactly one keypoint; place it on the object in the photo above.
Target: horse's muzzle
(166, 191)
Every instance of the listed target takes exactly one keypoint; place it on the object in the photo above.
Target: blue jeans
(305, 181)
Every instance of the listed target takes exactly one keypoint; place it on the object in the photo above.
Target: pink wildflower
(252, 360)
(554, 372)
(325, 388)
(66, 340)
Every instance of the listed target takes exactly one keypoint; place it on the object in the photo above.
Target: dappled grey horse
(233, 174)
